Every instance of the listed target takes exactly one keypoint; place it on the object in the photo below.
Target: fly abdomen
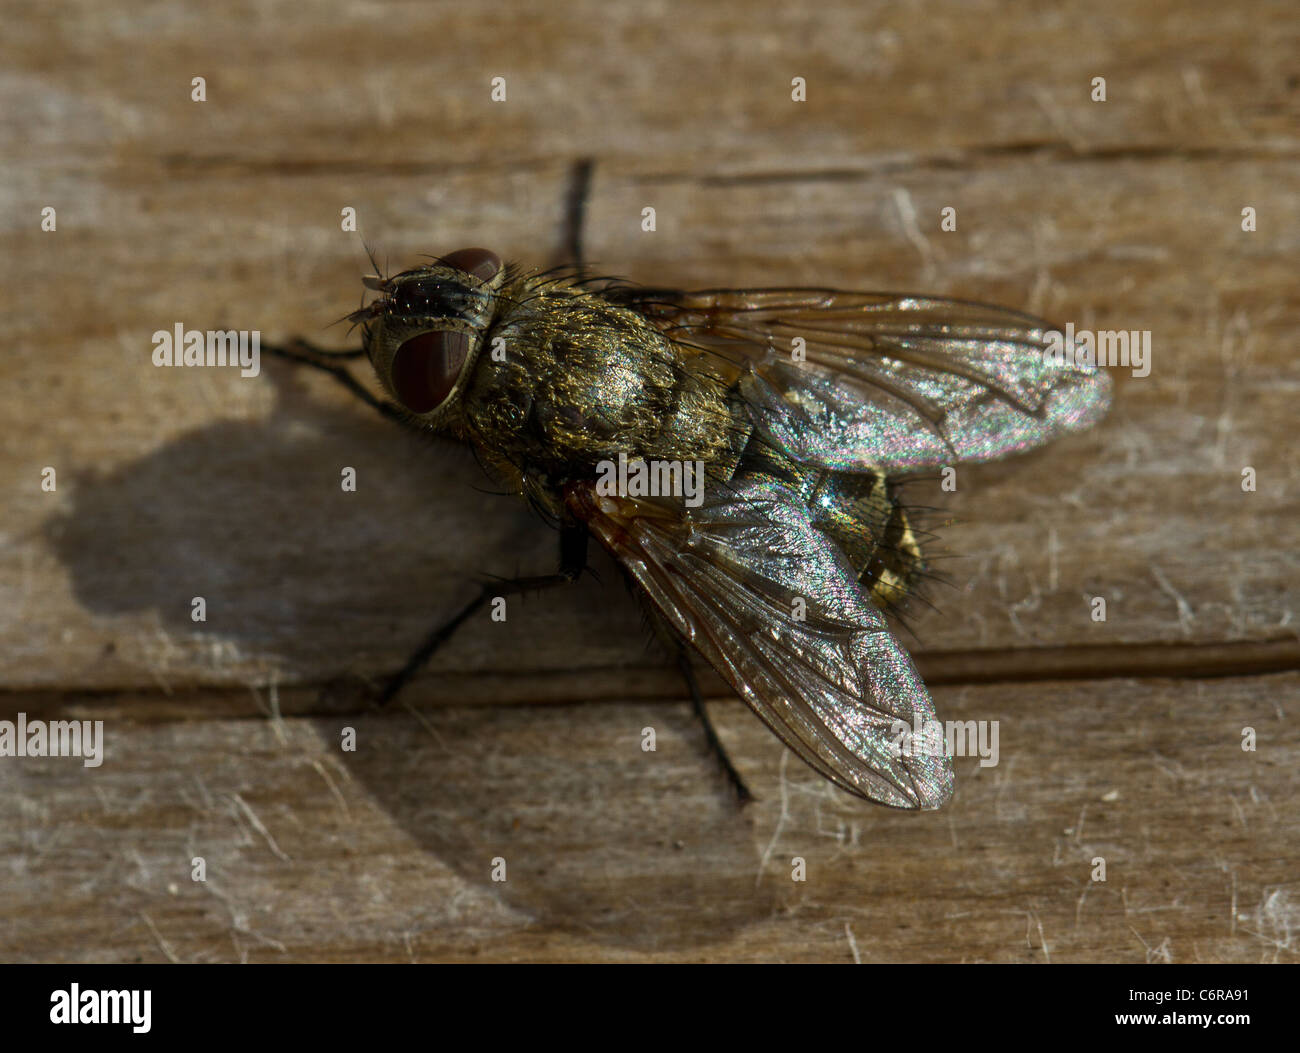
(859, 511)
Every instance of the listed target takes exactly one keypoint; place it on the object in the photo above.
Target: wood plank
(669, 89)
(232, 484)
(614, 854)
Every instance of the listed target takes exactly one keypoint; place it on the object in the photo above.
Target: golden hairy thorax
(577, 380)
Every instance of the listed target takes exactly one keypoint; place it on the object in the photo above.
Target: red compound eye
(482, 263)
(426, 368)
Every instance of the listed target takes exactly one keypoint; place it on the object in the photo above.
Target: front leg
(302, 353)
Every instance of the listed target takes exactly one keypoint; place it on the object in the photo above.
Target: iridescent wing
(891, 381)
(835, 686)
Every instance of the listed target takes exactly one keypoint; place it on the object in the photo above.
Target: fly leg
(573, 561)
(710, 733)
(575, 214)
(332, 362)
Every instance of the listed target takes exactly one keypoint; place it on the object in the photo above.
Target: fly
(803, 408)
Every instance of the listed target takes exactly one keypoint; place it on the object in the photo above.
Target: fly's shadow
(300, 576)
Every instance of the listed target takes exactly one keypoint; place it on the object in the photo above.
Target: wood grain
(612, 853)
(173, 484)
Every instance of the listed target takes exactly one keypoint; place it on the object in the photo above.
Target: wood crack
(652, 683)
(966, 159)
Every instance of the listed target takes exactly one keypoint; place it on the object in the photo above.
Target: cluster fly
(806, 408)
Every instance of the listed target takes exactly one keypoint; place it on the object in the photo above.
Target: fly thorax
(578, 382)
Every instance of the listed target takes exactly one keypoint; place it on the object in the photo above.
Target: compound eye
(426, 368)
(482, 263)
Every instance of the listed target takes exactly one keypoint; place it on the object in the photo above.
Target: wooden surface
(1119, 739)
